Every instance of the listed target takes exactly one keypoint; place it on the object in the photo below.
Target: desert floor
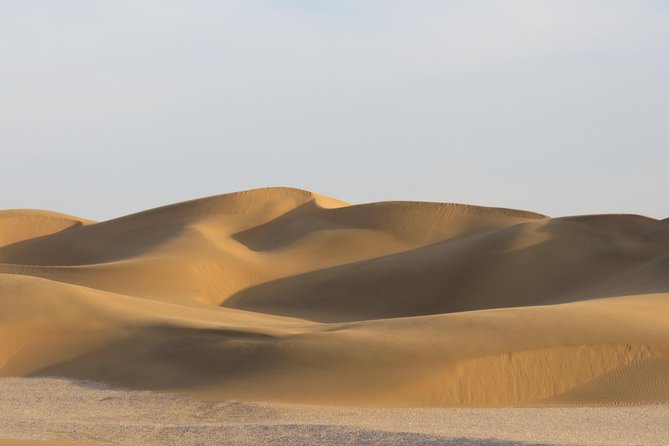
(64, 410)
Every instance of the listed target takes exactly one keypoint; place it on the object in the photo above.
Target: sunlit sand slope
(285, 295)
(23, 224)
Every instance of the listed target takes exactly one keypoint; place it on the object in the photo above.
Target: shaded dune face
(282, 294)
(533, 263)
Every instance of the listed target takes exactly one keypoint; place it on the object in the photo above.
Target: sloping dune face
(281, 294)
(24, 224)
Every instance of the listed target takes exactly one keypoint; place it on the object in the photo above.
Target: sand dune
(285, 295)
(24, 224)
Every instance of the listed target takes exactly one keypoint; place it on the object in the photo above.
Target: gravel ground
(59, 409)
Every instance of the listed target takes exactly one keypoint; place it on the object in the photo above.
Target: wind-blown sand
(282, 295)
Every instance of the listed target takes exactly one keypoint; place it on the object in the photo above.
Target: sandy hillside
(285, 295)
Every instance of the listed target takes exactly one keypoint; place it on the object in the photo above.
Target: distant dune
(281, 294)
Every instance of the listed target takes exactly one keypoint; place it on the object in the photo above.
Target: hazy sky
(110, 107)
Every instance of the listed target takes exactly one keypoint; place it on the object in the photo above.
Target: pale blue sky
(110, 107)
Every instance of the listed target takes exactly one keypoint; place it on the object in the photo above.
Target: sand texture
(283, 295)
(68, 412)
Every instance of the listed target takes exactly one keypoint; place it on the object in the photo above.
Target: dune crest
(286, 295)
(17, 225)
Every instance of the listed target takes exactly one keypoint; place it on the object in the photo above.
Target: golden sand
(284, 295)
